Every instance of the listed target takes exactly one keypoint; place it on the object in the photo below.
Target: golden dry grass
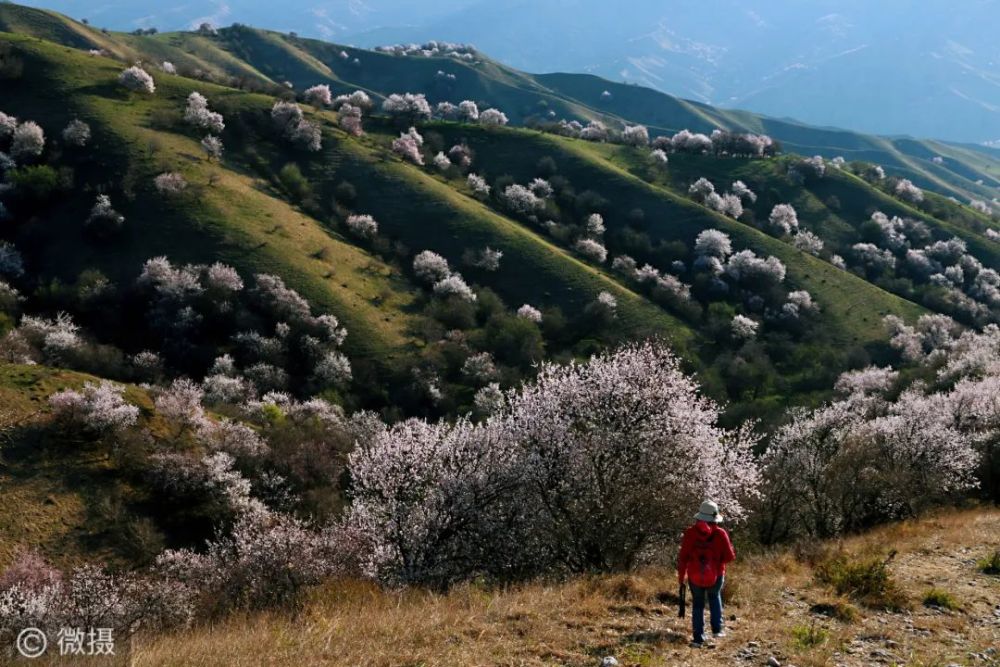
(633, 617)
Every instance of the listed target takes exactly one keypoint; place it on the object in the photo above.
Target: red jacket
(719, 547)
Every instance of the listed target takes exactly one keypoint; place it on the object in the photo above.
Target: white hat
(709, 512)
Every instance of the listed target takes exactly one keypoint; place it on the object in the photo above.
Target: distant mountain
(928, 68)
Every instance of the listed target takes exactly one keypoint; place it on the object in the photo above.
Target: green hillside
(268, 207)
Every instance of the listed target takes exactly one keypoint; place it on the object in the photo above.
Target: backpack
(703, 566)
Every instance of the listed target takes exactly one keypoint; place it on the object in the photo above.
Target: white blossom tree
(76, 133)
(430, 267)
(362, 225)
(318, 95)
(408, 146)
(137, 80)
(784, 219)
(170, 183)
(529, 313)
(907, 191)
(635, 135)
(492, 117)
(591, 249)
(198, 114)
(213, 147)
(28, 141)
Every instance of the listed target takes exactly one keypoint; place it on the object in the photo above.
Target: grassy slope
(851, 306)
(633, 617)
(62, 497)
(241, 221)
(269, 58)
(235, 220)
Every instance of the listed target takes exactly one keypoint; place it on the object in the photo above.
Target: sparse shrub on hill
(480, 189)
(492, 117)
(318, 95)
(350, 119)
(213, 147)
(28, 141)
(288, 119)
(362, 226)
(170, 183)
(198, 114)
(907, 191)
(137, 79)
(104, 220)
(99, 408)
(635, 135)
(407, 108)
(76, 133)
(408, 146)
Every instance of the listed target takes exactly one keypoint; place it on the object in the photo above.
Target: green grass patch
(941, 599)
(809, 636)
(867, 580)
(990, 564)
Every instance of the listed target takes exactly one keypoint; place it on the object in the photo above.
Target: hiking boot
(696, 644)
(720, 634)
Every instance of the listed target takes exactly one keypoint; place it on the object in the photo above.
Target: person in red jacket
(705, 551)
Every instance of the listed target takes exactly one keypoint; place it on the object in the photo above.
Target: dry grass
(779, 610)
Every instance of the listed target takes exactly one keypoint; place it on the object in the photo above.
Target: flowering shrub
(784, 219)
(76, 133)
(441, 161)
(407, 107)
(100, 408)
(408, 146)
(213, 147)
(454, 285)
(713, 243)
(28, 141)
(591, 249)
(744, 328)
(907, 191)
(350, 120)
(530, 313)
(318, 95)
(635, 135)
(478, 186)
(137, 80)
(198, 114)
(492, 117)
(520, 199)
(862, 460)
(170, 183)
(362, 226)
(430, 267)
(103, 218)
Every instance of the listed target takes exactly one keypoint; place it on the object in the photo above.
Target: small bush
(935, 597)
(294, 182)
(868, 581)
(808, 636)
(841, 610)
(990, 564)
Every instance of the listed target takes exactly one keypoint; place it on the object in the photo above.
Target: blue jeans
(714, 595)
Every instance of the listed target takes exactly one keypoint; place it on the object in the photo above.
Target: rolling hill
(245, 215)
(268, 59)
